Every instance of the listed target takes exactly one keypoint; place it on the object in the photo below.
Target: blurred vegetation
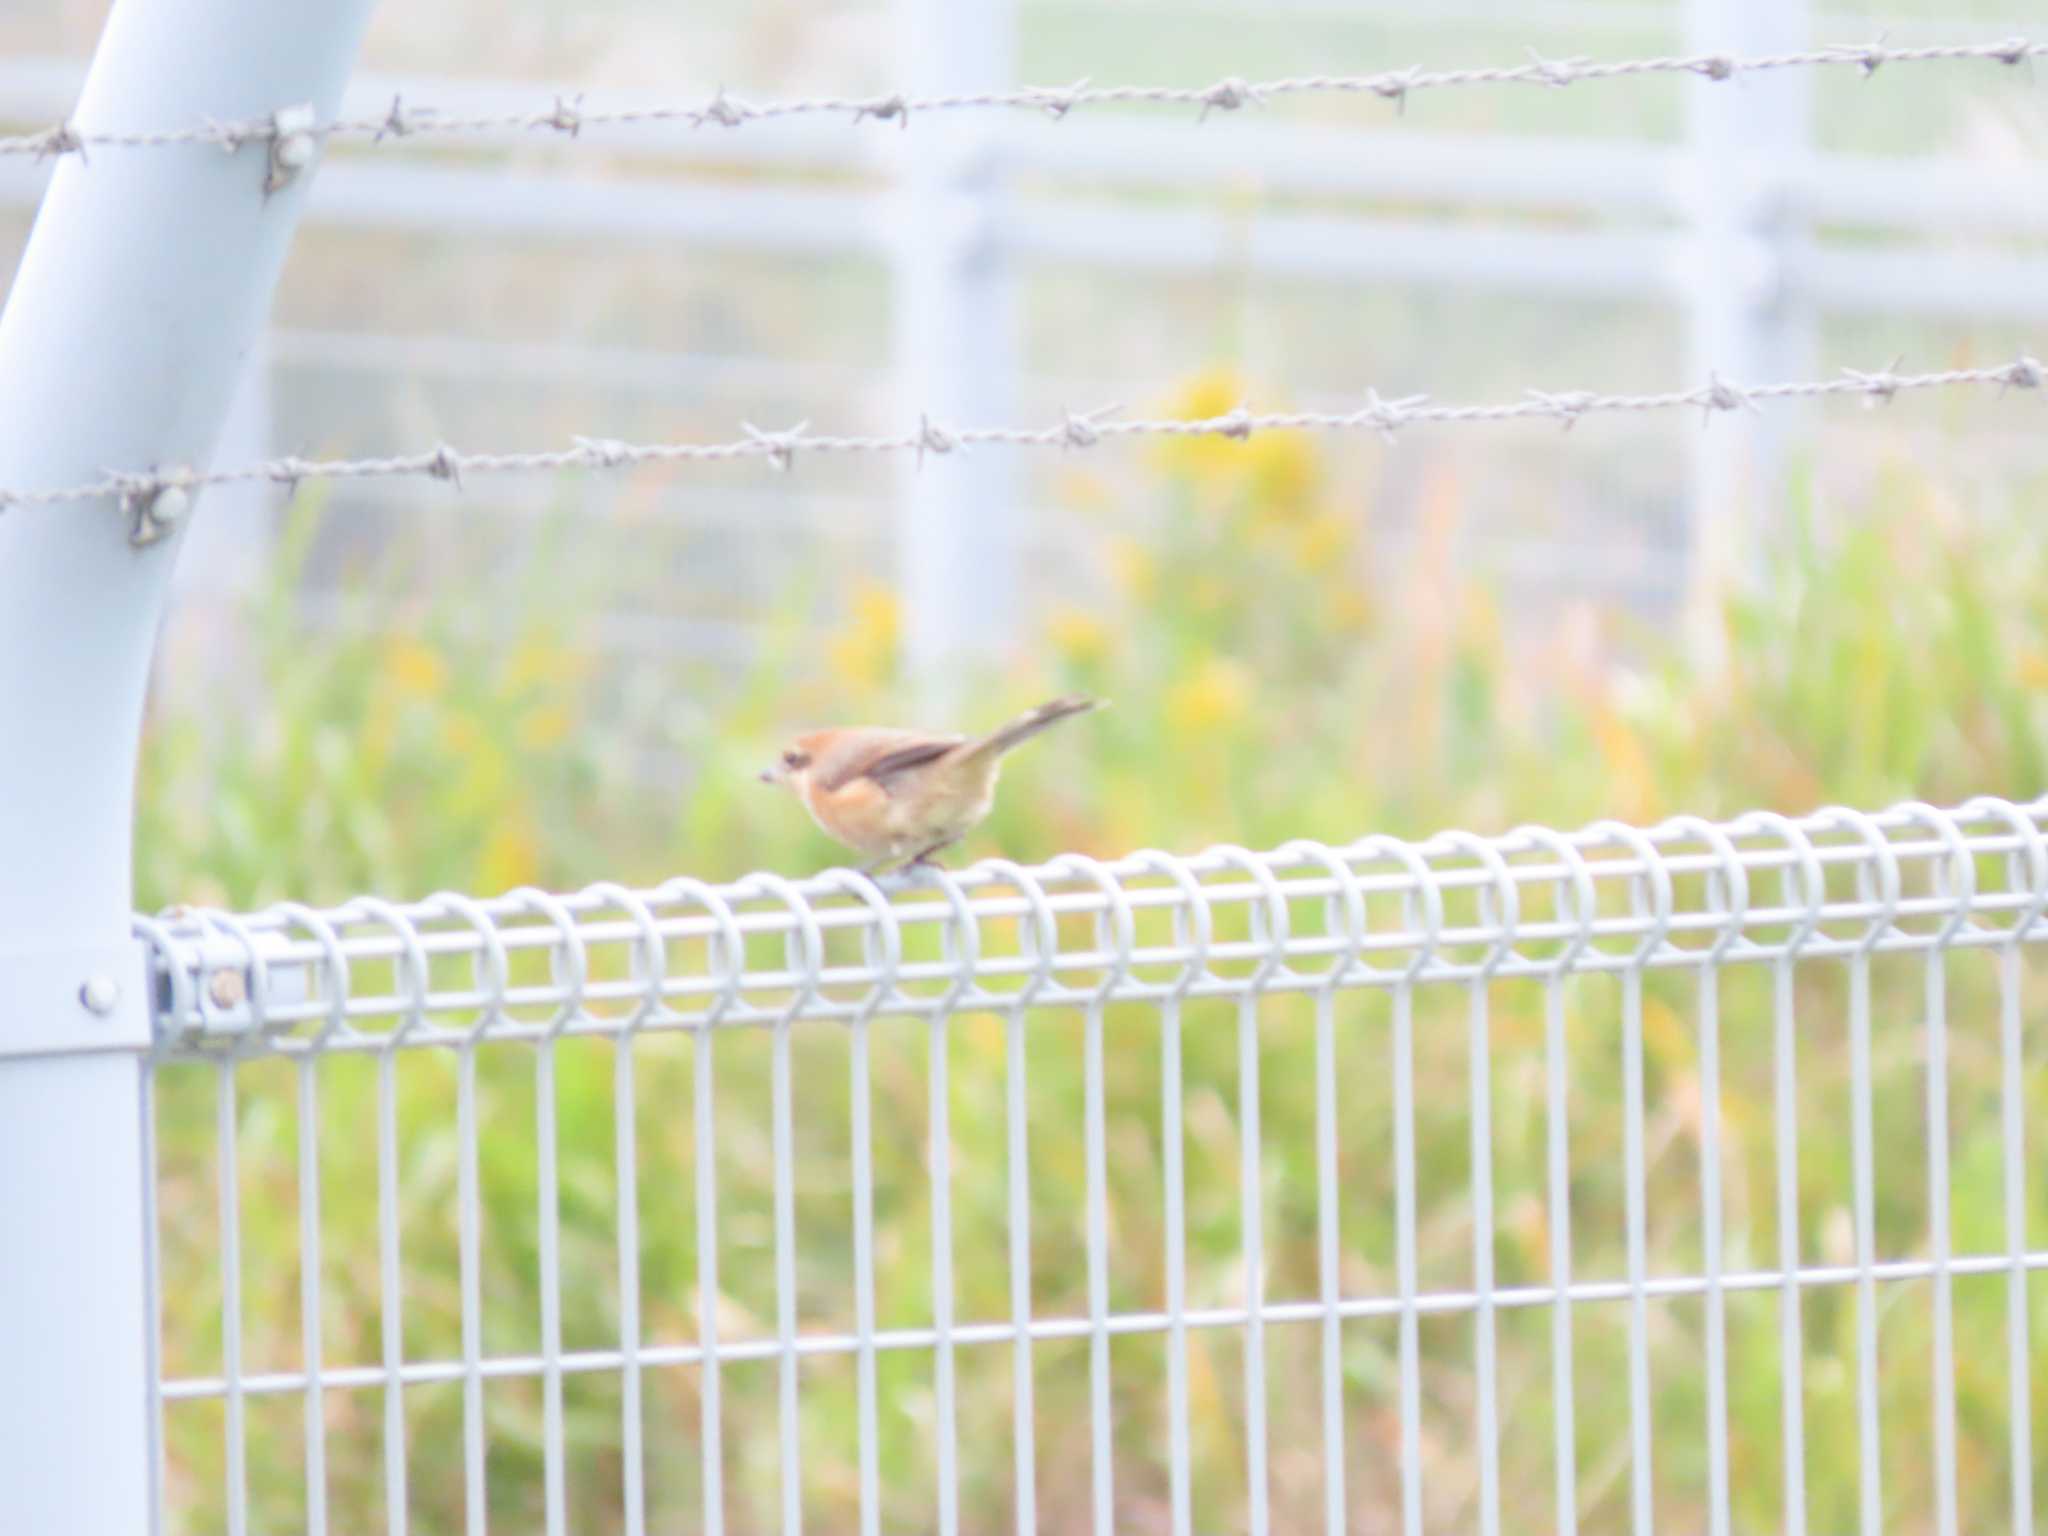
(1260, 693)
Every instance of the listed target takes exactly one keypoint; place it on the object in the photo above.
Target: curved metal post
(144, 286)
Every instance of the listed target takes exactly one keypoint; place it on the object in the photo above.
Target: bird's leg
(925, 858)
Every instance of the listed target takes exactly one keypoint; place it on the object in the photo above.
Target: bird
(892, 794)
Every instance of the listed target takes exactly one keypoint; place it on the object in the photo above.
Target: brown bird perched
(890, 794)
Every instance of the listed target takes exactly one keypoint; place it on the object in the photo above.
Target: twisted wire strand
(140, 492)
(568, 117)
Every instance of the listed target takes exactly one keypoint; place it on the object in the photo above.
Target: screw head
(99, 994)
(227, 989)
(294, 152)
(170, 505)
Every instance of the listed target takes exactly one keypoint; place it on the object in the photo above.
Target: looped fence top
(372, 974)
(490, 970)
(1877, 878)
(1576, 878)
(568, 958)
(1727, 883)
(648, 965)
(1115, 933)
(1499, 905)
(1038, 931)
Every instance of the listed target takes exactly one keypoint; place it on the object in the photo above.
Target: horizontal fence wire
(568, 117)
(1384, 943)
(162, 495)
(606, 960)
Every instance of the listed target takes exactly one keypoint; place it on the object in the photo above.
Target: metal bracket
(219, 1002)
(64, 1000)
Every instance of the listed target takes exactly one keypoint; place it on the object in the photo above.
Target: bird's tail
(1029, 724)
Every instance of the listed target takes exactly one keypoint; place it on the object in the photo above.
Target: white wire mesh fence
(1602, 1180)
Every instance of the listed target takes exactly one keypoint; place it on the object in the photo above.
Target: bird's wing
(878, 753)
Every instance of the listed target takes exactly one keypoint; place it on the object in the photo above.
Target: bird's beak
(767, 775)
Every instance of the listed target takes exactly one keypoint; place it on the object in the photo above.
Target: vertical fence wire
(469, 1260)
(1485, 1370)
(1939, 1240)
(229, 1172)
(1102, 1490)
(1017, 1131)
(1641, 1485)
(626, 1158)
(1870, 1495)
(2012, 1127)
(943, 1385)
(1251, 1178)
(1173, 1171)
(1404, 1258)
(787, 1424)
(1791, 1338)
(705, 1153)
(861, 1119)
(1328, 1250)
(550, 1195)
(392, 1319)
(1558, 1164)
(309, 1294)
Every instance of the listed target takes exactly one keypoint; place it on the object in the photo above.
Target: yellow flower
(864, 653)
(1211, 393)
(461, 733)
(537, 662)
(1283, 471)
(1079, 637)
(1136, 570)
(545, 727)
(1322, 541)
(511, 857)
(1216, 694)
(416, 670)
(1350, 609)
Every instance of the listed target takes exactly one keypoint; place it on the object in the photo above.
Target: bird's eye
(794, 760)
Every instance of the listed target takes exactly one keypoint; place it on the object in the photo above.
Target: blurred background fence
(1621, 235)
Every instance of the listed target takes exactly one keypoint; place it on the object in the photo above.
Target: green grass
(1257, 698)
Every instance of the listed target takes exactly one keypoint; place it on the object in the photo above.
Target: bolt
(100, 994)
(226, 989)
(169, 506)
(293, 143)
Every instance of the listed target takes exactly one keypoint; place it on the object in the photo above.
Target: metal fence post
(955, 330)
(142, 289)
(1748, 136)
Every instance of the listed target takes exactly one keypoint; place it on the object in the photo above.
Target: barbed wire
(569, 117)
(156, 499)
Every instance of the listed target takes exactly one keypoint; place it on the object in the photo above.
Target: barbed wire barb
(1556, 72)
(779, 447)
(1882, 385)
(1085, 430)
(1568, 406)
